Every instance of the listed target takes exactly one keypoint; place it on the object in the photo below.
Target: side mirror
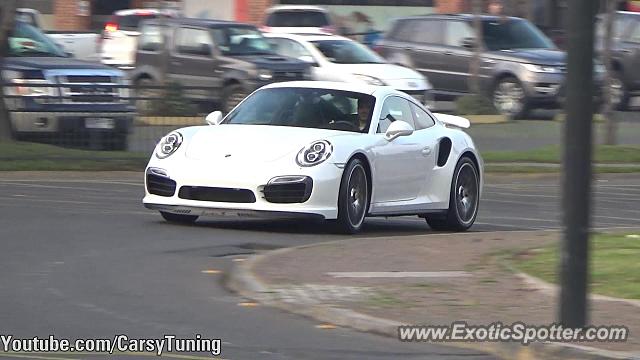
(469, 43)
(398, 128)
(308, 59)
(214, 118)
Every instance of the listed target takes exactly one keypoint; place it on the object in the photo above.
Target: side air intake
(444, 149)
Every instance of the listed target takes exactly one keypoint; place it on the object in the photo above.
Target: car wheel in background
(233, 95)
(509, 98)
(353, 197)
(464, 199)
(619, 93)
(178, 218)
(145, 106)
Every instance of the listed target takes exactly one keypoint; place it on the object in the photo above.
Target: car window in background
(513, 34)
(192, 41)
(305, 107)
(422, 119)
(132, 22)
(287, 47)
(456, 32)
(394, 109)
(404, 30)
(27, 17)
(26, 40)
(297, 19)
(241, 40)
(151, 38)
(427, 32)
(347, 52)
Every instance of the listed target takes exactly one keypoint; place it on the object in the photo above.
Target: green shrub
(174, 103)
(474, 105)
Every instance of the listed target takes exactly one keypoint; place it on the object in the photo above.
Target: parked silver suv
(521, 68)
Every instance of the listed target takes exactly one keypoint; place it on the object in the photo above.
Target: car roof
(209, 23)
(465, 17)
(295, 8)
(334, 85)
(306, 37)
(126, 12)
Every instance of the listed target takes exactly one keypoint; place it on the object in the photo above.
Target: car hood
(252, 143)
(396, 76)
(533, 56)
(274, 62)
(51, 63)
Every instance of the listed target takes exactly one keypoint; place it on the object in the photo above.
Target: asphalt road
(80, 257)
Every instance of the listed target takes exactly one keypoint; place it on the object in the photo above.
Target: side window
(635, 34)
(428, 32)
(190, 41)
(456, 32)
(394, 108)
(404, 30)
(151, 38)
(289, 48)
(422, 118)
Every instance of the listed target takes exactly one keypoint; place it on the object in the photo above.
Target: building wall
(67, 15)
(209, 9)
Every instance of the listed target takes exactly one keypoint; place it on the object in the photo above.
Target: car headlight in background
(264, 74)
(369, 79)
(543, 68)
(599, 68)
(169, 144)
(314, 153)
(22, 85)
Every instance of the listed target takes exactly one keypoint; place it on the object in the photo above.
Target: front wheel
(178, 218)
(353, 197)
(464, 199)
(509, 98)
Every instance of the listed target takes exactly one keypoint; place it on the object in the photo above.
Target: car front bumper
(71, 122)
(189, 174)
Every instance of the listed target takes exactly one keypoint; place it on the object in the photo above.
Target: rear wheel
(619, 93)
(353, 197)
(464, 199)
(178, 218)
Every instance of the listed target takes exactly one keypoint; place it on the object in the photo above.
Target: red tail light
(110, 27)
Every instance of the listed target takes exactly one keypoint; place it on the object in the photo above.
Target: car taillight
(328, 29)
(110, 27)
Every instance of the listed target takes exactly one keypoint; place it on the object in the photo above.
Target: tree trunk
(609, 115)
(7, 19)
(474, 79)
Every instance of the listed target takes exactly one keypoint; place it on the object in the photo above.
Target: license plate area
(99, 123)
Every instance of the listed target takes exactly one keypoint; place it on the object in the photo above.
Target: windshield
(307, 108)
(26, 40)
(513, 34)
(131, 22)
(347, 52)
(241, 41)
(297, 19)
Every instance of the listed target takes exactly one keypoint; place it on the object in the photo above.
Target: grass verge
(606, 154)
(615, 269)
(21, 156)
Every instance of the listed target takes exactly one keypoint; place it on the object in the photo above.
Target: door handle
(426, 151)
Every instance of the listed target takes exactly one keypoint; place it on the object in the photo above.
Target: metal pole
(7, 19)
(576, 187)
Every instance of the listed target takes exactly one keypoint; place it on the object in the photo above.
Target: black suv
(625, 53)
(233, 59)
(521, 68)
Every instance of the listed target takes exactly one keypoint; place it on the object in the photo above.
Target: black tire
(233, 95)
(178, 218)
(353, 197)
(464, 199)
(617, 85)
(509, 98)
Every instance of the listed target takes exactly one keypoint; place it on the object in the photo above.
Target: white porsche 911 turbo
(333, 151)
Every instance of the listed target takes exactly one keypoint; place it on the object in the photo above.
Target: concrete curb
(244, 282)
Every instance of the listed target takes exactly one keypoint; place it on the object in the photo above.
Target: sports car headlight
(314, 153)
(169, 144)
(369, 79)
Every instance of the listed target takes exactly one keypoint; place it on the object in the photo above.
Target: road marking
(211, 271)
(399, 274)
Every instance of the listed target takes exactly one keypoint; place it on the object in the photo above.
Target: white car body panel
(404, 171)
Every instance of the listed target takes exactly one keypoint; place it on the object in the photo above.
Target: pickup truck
(56, 97)
(82, 45)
